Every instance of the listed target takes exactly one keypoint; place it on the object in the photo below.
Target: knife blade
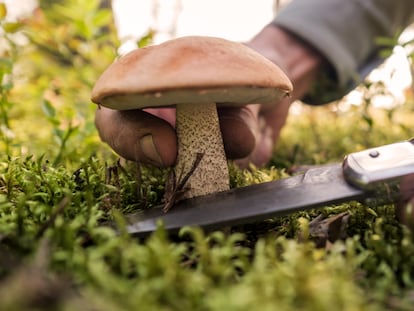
(371, 175)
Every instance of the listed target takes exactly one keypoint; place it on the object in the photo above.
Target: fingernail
(149, 150)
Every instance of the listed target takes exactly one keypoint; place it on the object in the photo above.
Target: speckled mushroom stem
(198, 131)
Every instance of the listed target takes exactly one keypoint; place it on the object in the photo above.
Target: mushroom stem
(198, 131)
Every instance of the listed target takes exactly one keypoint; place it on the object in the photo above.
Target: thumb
(138, 136)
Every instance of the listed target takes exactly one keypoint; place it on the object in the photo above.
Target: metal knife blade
(361, 177)
(315, 188)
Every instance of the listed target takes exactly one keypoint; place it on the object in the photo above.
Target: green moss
(59, 186)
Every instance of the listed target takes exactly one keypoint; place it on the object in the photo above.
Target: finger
(263, 149)
(137, 135)
(405, 213)
(407, 187)
(238, 126)
(404, 209)
(264, 145)
(239, 130)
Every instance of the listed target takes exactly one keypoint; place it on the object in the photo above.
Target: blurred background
(59, 48)
(231, 19)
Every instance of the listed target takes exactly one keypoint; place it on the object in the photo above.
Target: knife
(370, 176)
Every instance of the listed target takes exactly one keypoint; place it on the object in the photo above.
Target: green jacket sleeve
(345, 32)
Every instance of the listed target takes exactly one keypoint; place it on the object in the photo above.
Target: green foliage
(340, 131)
(253, 175)
(8, 54)
(59, 187)
(69, 46)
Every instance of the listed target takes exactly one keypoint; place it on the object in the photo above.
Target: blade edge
(315, 188)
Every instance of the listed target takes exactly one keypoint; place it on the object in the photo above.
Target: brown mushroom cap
(190, 70)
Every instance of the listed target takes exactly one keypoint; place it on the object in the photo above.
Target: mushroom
(194, 74)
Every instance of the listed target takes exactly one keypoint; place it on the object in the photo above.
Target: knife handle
(368, 169)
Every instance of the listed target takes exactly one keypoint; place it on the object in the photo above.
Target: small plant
(61, 135)
(64, 243)
(8, 55)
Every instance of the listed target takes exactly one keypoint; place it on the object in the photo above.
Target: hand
(249, 133)
(148, 136)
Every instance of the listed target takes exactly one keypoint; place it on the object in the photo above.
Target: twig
(176, 188)
(59, 210)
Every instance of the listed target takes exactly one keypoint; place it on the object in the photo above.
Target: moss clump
(59, 186)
